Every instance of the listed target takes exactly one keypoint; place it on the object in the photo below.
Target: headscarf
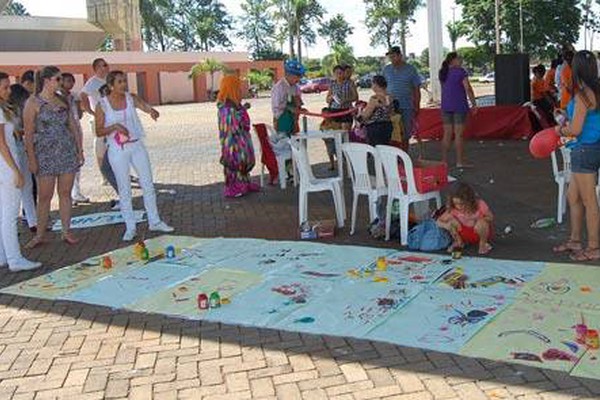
(293, 67)
(230, 89)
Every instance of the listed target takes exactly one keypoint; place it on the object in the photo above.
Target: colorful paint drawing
(353, 308)
(181, 299)
(531, 334)
(589, 365)
(405, 269)
(439, 319)
(130, 284)
(290, 257)
(211, 252)
(274, 299)
(488, 276)
(573, 286)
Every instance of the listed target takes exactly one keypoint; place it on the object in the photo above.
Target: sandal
(69, 239)
(586, 255)
(35, 242)
(568, 246)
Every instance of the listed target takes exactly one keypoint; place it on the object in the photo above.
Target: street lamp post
(497, 17)
(521, 25)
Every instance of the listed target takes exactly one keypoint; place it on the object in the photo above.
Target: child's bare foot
(485, 248)
(455, 245)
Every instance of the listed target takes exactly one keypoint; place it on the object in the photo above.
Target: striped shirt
(342, 94)
(402, 82)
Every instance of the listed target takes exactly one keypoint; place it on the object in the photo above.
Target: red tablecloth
(496, 122)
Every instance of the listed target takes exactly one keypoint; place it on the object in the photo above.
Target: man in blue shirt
(404, 86)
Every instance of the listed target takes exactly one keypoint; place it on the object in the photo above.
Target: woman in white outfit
(11, 182)
(117, 119)
(18, 97)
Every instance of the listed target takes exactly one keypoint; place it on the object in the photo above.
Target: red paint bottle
(203, 301)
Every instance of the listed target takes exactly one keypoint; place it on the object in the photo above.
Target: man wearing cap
(286, 99)
(404, 86)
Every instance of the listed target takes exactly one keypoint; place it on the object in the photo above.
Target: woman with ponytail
(583, 112)
(455, 88)
(11, 182)
(54, 151)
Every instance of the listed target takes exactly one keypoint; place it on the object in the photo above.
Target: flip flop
(568, 246)
(586, 255)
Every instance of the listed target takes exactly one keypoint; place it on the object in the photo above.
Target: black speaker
(511, 79)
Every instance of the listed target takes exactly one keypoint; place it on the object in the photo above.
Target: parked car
(489, 78)
(365, 81)
(316, 85)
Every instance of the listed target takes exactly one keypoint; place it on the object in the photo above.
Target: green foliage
(298, 20)
(548, 24)
(209, 66)
(456, 30)
(342, 54)
(263, 80)
(336, 31)
(185, 25)
(389, 20)
(369, 64)
(107, 44)
(15, 8)
(257, 27)
(476, 59)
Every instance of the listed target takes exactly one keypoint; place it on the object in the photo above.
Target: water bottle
(544, 223)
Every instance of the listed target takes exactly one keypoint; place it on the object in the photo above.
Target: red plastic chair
(274, 163)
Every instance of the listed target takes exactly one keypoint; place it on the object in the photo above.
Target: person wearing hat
(404, 86)
(286, 99)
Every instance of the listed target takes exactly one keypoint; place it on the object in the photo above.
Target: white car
(489, 78)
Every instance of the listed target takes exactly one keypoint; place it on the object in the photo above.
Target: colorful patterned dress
(237, 152)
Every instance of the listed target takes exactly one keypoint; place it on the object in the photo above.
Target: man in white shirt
(90, 96)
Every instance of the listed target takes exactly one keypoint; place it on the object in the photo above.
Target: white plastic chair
(389, 157)
(562, 176)
(281, 151)
(374, 187)
(308, 184)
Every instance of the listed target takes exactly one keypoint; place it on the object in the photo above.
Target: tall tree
(211, 24)
(336, 31)
(456, 30)
(257, 27)
(299, 19)
(209, 66)
(155, 15)
(389, 20)
(342, 54)
(548, 24)
(15, 8)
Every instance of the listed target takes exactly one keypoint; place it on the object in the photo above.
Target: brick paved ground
(61, 350)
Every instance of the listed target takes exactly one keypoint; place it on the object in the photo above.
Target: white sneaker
(24, 265)
(162, 227)
(129, 235)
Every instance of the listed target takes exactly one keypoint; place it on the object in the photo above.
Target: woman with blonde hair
(237, 152)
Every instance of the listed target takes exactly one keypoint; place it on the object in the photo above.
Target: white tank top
(127, 117)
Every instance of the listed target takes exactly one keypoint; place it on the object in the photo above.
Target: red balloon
(544, 143)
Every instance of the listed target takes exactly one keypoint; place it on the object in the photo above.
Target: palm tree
(210, 66)
(342, 54)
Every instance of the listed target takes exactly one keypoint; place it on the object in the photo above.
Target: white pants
(27, 189)
(121, 159)
(99, 142)
(10, 200)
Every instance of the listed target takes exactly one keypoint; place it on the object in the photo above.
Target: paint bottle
(215, 300)
(202, 301)
(145, 254)
(170, 251)
(581, 333)
(457, 253)
(107, 262)
(138, 248)
(592, 341)
(381, 263)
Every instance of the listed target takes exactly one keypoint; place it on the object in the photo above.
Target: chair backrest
(300, 158)
(565, 156)
(357, 155)
(389, 158)
(265, 146)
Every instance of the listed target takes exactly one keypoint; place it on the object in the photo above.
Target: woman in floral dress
(237, 152)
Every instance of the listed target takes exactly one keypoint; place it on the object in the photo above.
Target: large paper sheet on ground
(98, 219)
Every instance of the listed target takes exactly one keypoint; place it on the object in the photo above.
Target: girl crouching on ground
(468, 219)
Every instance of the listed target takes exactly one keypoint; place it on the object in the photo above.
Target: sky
(353, 11)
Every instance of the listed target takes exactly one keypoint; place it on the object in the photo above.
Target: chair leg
(438, 201)
(404, 223)
(338, 204)
(354, 207)
(282, 172)
(303, 206)
(372, 207)
(388, 217)
(262, 175)
(560, 206)
(342, 201)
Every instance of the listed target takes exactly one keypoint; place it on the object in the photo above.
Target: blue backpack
(427, 236)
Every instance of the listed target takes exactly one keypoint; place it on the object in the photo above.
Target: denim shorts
(585, 159)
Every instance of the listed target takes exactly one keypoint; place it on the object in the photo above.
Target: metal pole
(521, 25)
(497, 12)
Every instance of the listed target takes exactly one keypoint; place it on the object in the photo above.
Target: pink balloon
(543, 143)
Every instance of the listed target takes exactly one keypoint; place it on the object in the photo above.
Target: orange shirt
(550, 78)
(566, 83)
(539, 89)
